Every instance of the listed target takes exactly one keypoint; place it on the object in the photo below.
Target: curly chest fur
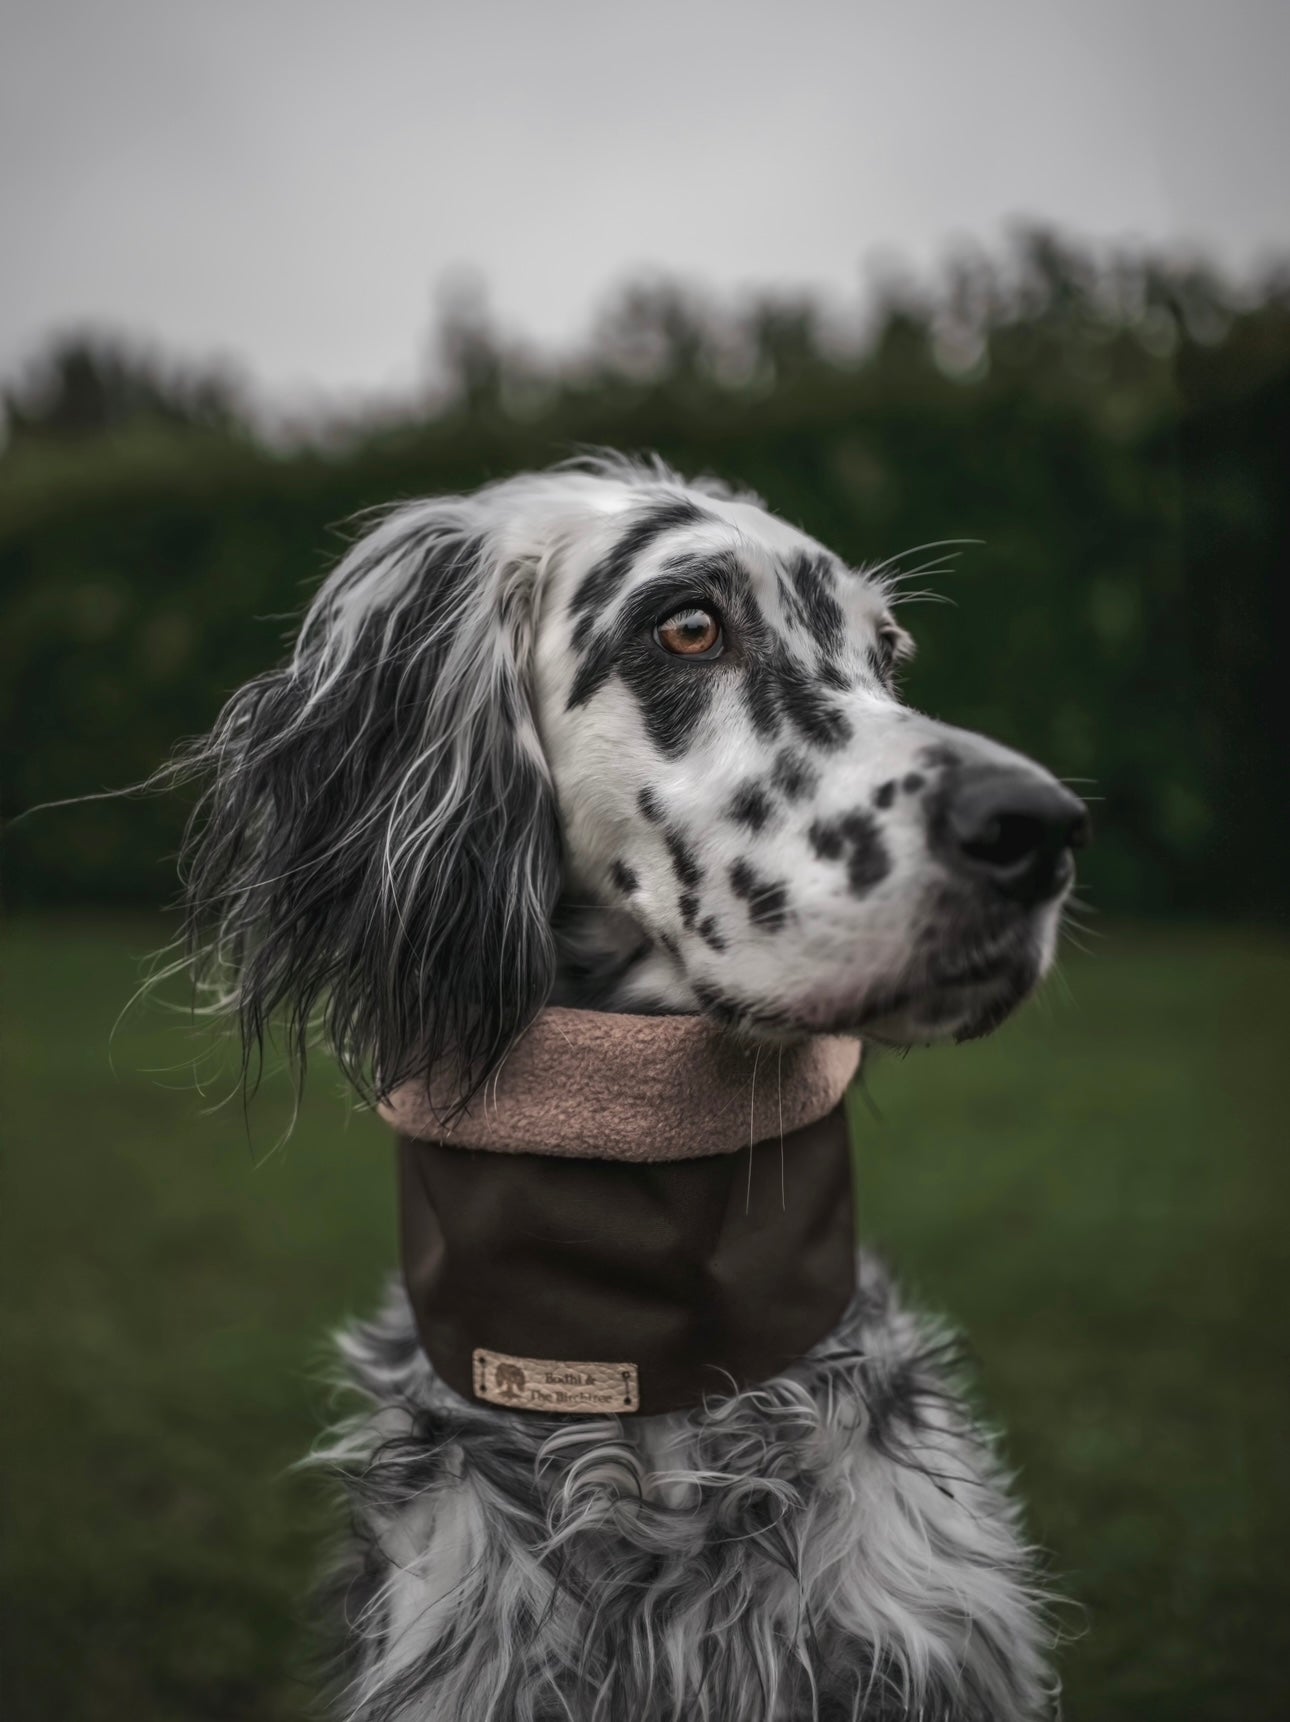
(836, 1543)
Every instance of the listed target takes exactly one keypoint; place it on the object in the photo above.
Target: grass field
(1098, 1195)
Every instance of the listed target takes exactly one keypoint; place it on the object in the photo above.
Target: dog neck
(639, 1213)
(606, 961)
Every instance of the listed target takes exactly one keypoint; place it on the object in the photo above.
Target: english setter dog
(604, 738)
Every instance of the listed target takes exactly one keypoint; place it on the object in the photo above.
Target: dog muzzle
(637, 1214)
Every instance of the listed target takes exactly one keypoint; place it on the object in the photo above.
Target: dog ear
(375, 855)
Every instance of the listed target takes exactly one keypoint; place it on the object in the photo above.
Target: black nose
(1017, 831)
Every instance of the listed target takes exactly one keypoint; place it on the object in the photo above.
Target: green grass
(1098, 1196)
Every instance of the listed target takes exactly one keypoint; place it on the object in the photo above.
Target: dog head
(603, 737)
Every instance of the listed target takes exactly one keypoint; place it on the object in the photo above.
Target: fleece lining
(598, 1085)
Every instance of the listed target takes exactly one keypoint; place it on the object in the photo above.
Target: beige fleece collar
(597, 1085)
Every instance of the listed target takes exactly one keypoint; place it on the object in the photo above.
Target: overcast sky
(283, 182)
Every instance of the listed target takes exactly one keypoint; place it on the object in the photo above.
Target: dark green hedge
(1122, 618)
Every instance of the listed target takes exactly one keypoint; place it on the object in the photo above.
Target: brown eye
(690, 633)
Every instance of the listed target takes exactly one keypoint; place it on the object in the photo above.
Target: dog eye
(690, 633)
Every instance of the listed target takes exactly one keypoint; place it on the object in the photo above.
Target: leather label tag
(549, 1384)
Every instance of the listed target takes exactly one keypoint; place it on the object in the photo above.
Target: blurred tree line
(1111, 427)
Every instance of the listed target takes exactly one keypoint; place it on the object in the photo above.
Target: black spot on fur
(598, 586)
(596, 668)
(750, 806)
(940, 755)
(761, 698)
(673, 696)
(741, 878)
(725, 1008)
(777, 685)
(707, 931)
(815, 717)
(767, 899)
(912, 782)
(826, 839)
(856, 835)
(684, 862)
(715, 1003)
(688, 904)
(885, 793)
(623, 877)
(869, 862)
(793, 775)
(809, 601)
(647, 801)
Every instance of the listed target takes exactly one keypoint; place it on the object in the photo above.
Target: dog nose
(1017, 831)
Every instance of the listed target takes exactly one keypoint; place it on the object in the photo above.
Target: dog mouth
(965, 968)
(959, 994)
(959, 997)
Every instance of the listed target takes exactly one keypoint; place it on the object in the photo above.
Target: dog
(605, 738)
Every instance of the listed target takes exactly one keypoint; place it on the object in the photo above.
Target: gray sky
(284, 181)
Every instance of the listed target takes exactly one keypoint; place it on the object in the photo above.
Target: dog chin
(946, 1015)
(920, 1010)
(963, 1011)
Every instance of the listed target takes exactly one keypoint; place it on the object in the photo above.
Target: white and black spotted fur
(481, 785)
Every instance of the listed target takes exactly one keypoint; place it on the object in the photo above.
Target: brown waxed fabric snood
(661, 1283)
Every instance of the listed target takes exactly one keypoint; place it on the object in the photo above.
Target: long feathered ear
(375, 854)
